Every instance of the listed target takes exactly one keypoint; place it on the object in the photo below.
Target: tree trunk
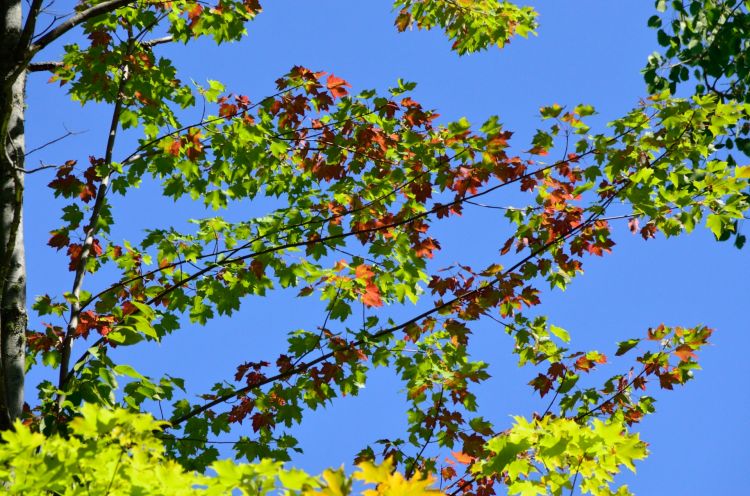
(13, 317)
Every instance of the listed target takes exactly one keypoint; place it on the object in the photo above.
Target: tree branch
(79, 18)
(157, 41)
(43, 66)
(413, 466)
(90, 230)
(390, 330)
(52, 142)
(28, 28)
(53, 65)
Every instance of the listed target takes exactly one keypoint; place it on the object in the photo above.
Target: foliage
(117, 452)
(355, 184)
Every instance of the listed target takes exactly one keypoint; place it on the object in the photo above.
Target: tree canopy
(341, 195)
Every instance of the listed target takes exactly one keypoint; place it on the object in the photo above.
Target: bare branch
(79, 18)
(157, 41)
(51, 142)
(28, 28)
(43, 66)
(37, 169)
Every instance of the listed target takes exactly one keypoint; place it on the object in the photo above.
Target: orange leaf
(462, 458)
(584, 364)
(685, 352)
(371, 297)
(174, 148)
(340, 265)
(364, 273)
(337, 86)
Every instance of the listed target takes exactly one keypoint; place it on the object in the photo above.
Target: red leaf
(337, 86)
(96, 248)
(648, 231)
(666, 380)
(88, 192)
(425, 247)
(257, 267)
(371, 297)
(99, 38)
(74, 252)
(252, 6)
(227, 110)
(59, 239)
(633, 225)
(306, 291)
(174, 148)
(556, 370)
(128, 308)
(542, 384)
(448, 473)
(195, 149)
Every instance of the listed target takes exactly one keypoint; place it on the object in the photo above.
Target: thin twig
(53, 141)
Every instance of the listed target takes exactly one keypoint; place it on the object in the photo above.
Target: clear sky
(586, 52)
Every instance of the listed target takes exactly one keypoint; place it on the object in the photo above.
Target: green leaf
(127, 370)
(625, 346)
(560, 333)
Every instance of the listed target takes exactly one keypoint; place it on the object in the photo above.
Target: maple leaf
(403, 20)
(425, 247)
(667, 379)
(685, 352)
(86, 321)
(174, 148)
(143, 98)
(337, 86)
(59, 239)
(506, 247)
(448, 473)
(648, 231)
(462, 458)
(194, 14)
(67, 185)
(584, 364)
(657, 333)
(195, 150)
(227, 110)
(88, 192)
(364, 272)
(96, 248)
(306, 291)
(542, 384)
(371, 296)
(99, 38)
(252, 6)
(258, 268)
(128, 308)
(556, 370)
(633, 225)
(238, 412)
(74, 252)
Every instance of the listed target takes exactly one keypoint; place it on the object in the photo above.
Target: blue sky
(586, 52)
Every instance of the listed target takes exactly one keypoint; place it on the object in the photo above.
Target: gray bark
(13, 316)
